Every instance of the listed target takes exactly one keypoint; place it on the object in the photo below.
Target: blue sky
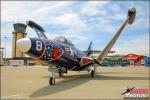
(82, 22)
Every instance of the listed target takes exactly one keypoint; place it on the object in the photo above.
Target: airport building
(19, 32)
(18, 57)
(135, 59)
(125, 60)
(146, 61)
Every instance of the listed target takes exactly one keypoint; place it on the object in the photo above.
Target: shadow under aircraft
(72, 81)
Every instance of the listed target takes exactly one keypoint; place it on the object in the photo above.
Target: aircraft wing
(38, 29)
(86, 62)
(129, 20)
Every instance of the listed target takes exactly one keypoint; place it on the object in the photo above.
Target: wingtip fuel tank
(131, 15)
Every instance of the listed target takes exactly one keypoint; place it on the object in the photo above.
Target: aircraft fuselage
(55, 52)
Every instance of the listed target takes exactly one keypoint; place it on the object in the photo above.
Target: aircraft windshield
(64, 40)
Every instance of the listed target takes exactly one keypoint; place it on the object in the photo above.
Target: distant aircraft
(62, 53)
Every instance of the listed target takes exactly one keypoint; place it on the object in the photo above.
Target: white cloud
(74, 19)
(57, 13)
(69, 20)
(79, 38)
(139, 45)
(76, 39)
(92, 8)
(6, 29)
(107, 26)
(72, 23)
(103, 25)
(141, 22)
(25, 10)
(91, 11)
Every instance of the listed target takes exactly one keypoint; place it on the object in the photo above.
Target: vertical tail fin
(88, 51)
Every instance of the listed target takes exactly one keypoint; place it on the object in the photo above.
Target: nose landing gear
(52, 76)
(53, 69)
(52, 81)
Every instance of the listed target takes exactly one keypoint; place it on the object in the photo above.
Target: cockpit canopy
(63, 40)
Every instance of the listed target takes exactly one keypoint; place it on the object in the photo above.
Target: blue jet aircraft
(61, 53)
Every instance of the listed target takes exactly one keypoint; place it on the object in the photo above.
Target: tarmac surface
(28, 82)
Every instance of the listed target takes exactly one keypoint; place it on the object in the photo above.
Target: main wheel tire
(92, 73)
(51, 81)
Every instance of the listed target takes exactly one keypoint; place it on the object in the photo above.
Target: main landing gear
(61, 74)
(62, 70)
(93, 71)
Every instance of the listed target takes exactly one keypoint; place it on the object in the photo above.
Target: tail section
(88, 51)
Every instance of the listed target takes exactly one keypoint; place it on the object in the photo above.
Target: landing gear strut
(51, 81)
(62, 70)
(52, 76)
(60, 74)
(92, 71)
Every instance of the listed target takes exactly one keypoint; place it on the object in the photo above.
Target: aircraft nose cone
(24, 44)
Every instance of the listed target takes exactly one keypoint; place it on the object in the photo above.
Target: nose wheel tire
(92, 73)
(51, 81)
